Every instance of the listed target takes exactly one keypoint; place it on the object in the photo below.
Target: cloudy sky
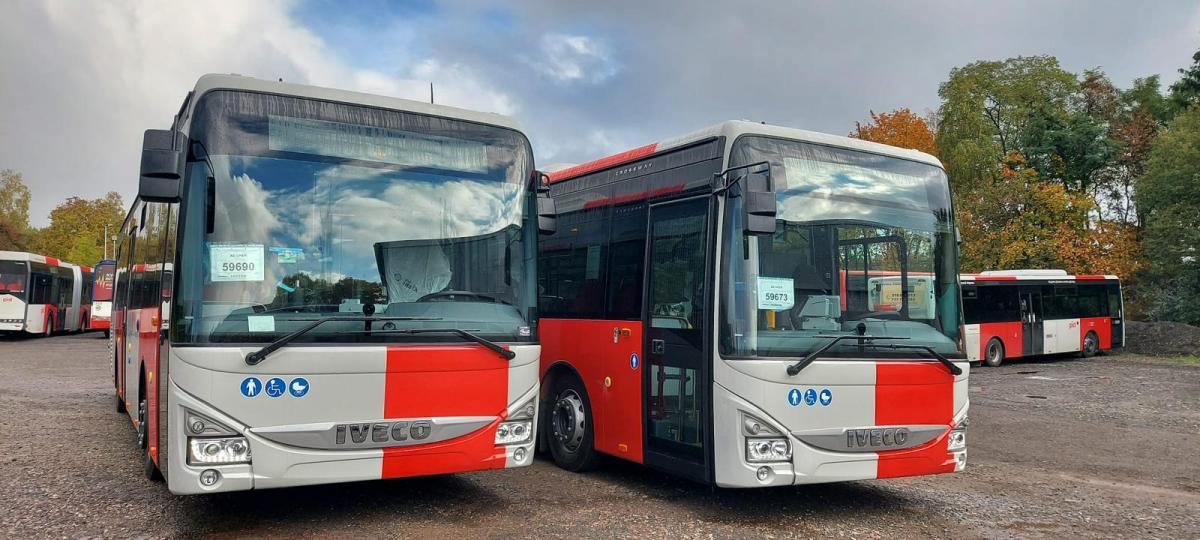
(79, 81)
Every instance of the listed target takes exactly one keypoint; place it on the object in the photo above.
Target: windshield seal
(942, 278)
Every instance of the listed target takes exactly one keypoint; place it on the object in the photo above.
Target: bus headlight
(768, 450)
(518, 432)
(218, 451)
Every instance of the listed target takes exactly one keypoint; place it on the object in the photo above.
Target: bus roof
(731, 130)
(33, 257)
(210, 82)
(1033, 275)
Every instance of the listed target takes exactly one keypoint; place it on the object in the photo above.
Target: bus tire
(120, 403)
(149, 468)
(106, 333)
(49, 330)
(1091, 345)
(993, 354)
(570, 430)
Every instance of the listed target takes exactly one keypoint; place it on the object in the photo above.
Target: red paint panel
(910, 393)
(1009, 333)
(1103, 328)
(587, 345)
(148, 349)
(602, 163)
(429, 381)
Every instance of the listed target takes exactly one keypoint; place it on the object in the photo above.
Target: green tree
(76, 230)
(14, 211)
(1186, 91)
(987, 107)
(1168, 196)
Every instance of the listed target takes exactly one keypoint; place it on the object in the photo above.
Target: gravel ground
(1058, 448)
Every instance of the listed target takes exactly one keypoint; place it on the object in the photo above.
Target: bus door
(676, 378)
(1032, 331)
(1116, 310)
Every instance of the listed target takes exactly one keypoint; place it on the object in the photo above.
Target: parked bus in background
(102, 291)
(318, 286)
(1015, 313)
(751, 305)
(43, 295)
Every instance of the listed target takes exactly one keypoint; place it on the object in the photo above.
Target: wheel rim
(1090, 345)
(567, 420)
(993, 352)
(141, 430)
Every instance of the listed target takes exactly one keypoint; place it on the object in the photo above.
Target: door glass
(677, 265)
(676, 376)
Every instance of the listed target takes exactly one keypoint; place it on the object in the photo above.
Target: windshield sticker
(286, 255)
(250, 387)
(826, 397)
(260, 323)
(236, 262)
(794, 397)
(275, 387)
(776, 293)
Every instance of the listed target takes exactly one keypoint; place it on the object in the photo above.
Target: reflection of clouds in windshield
(807, 176)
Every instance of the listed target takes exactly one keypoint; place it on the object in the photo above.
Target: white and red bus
(104, 274)
(709, 309)
(317, 286)
(1015, 313)
(43, 295)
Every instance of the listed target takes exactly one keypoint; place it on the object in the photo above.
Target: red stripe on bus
(455, 380)
(612, 201)
(911, 393)
(51, 261)
(603, 163)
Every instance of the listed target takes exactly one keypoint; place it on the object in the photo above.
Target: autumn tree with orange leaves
(900, 127)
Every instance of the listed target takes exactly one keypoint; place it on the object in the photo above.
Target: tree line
(76, 232)
(1053, 169)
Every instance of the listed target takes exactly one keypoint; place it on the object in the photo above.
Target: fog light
(768, 450)
(519, 455)
(957, 440)
(763, 473)
(209, 477)
(514, 432)
(222, 450)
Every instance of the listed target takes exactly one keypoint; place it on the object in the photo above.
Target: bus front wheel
(149, 468)
(1091, 345)
(571, 431)
(994, 353)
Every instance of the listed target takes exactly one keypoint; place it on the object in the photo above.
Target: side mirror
(161, 177)
(547, 215)
(759, 207)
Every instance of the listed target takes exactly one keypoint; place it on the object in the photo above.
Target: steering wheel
(456, 296)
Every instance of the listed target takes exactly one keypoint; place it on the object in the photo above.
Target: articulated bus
(102, 290)
(752, 305)
(317, 286)
(43, 295)
(1016, 313)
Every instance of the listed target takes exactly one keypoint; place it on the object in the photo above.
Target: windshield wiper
(862, 340)
(507, 354)
(258, 356)
(955, 370)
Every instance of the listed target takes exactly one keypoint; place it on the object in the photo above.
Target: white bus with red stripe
(1017, 313)
(103, 280)
(752, 305)
(319, 286)
(43, 295)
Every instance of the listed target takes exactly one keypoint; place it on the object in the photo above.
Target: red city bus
(727, 307)
(1015, 313)
(102, 292)
(43, 295)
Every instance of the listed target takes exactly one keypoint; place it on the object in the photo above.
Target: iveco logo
(382, 432)
(876, 437)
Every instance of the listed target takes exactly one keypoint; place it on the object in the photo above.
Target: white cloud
(571, 59)
(82, 80)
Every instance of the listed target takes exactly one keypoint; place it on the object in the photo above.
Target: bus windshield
(298, 210)
(863, 243)
(13, 276)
